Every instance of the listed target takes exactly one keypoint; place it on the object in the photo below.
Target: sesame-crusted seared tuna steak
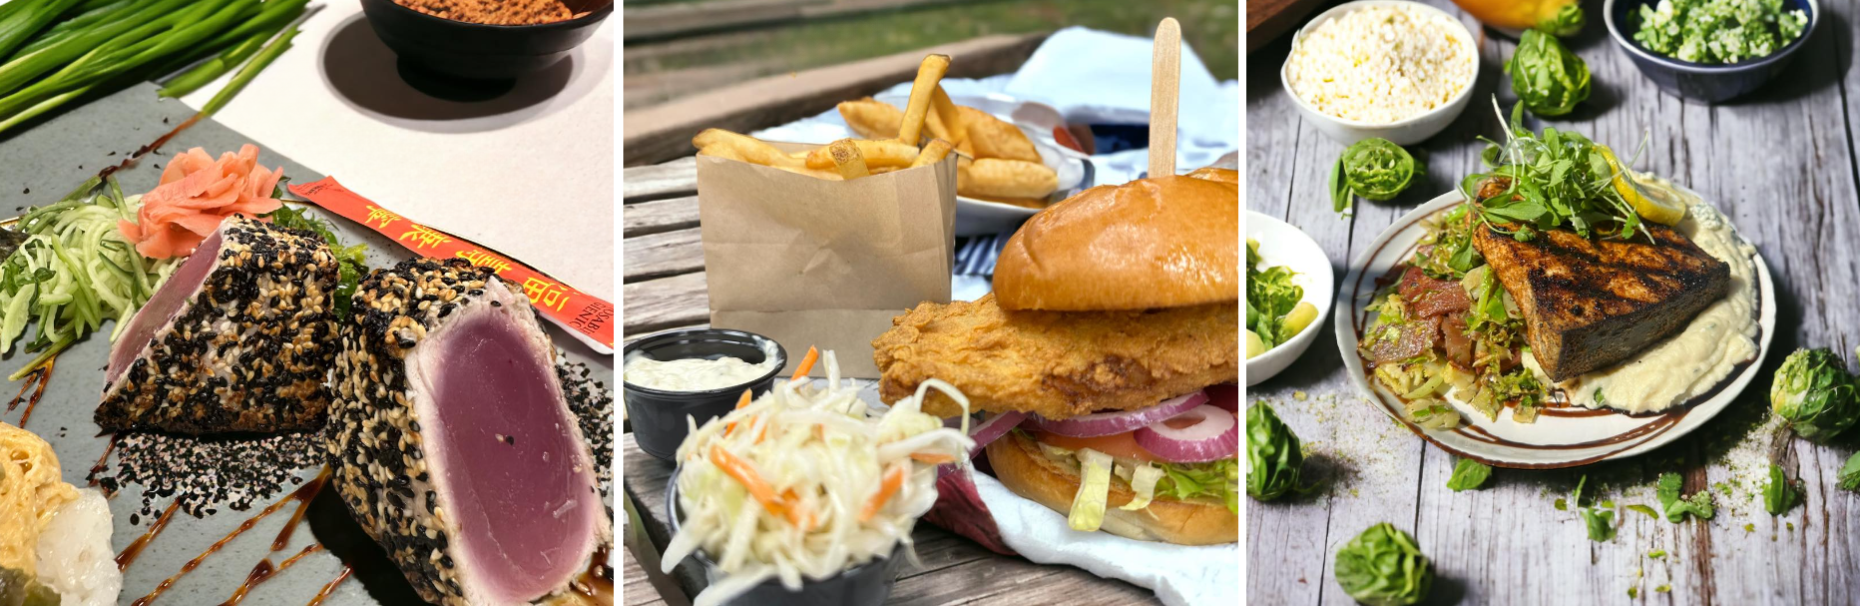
(240, 338)
(452, 442)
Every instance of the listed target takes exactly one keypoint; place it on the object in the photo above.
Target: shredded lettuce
(1218, 480)
(1094, 489)
(1143, 482)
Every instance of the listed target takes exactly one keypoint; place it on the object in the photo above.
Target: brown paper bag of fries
(824, 263)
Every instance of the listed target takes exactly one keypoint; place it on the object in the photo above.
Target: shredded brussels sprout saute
(808, 481)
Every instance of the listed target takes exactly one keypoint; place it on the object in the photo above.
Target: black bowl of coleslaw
(658, 415)
(867, 584)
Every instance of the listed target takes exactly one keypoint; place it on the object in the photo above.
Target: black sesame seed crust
(374, 446)
(249, 351)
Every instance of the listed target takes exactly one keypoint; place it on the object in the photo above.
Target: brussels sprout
(1815, 394)
(1566, 22)
(1548, 78)
(1850, 473)
(1382, 567)
(1374, 168)
(1273, 455)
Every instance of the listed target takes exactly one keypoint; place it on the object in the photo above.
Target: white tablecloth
(529, 173)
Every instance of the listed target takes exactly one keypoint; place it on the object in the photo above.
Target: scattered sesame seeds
(205, 474)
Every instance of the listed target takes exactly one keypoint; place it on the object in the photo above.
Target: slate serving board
(41, 164)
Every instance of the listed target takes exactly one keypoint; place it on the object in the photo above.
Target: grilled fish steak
(1589, 304)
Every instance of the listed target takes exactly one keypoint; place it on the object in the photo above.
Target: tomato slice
(1120, 445)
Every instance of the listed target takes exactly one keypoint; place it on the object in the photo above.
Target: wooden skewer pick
(1165, 93)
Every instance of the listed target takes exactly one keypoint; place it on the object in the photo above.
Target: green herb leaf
(1644, 509)
(1468, 474)
(1600, 524)
(1676, 506)
(1779, 496)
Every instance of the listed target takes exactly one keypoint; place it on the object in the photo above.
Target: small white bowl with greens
(1288, 285)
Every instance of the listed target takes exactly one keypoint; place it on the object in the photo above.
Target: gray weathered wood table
(664, 289)
(1781, 164)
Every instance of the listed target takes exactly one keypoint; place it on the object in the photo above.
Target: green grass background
(1211, 27)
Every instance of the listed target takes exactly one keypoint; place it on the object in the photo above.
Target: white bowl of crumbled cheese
(1397, 70)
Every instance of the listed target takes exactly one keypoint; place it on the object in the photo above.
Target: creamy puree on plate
(1693, 361)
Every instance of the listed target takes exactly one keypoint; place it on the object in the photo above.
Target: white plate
(1282, 244)
(976, 217)
(1577, 437)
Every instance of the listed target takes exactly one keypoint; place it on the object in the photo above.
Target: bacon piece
(1428, 297)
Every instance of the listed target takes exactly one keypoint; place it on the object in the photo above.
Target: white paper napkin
(1180, 575)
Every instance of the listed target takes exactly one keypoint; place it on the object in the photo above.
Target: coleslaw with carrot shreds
(808, 481)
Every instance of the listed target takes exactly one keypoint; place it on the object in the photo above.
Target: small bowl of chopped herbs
(1711, 50)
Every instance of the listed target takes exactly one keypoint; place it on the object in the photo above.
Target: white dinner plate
(1561, 437)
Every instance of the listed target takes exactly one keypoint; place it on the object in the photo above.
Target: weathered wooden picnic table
(664, 289)
(1781, 164)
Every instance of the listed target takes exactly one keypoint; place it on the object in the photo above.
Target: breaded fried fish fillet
(1058, 364)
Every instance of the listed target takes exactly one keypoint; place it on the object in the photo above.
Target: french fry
(929, 72)
(879, 170)
(847, 161)
(997, 178)
(933, 153)
(722, 151)
(887, 152)
(955, 127)
(995, 138)
(873, 119)
(744, 147)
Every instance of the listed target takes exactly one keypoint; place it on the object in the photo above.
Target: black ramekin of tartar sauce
(658, 415)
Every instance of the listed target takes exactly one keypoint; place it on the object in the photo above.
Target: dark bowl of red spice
(474, 40)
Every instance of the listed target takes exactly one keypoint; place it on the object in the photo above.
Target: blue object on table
(1710, 83)
(1113, 138)
(973, 273)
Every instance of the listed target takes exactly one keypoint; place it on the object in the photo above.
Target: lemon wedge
(1654, 202)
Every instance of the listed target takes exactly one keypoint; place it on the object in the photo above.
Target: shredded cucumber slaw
(808, 481)
(73, 270)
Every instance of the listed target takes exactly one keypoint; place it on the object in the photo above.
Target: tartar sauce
(694, 374)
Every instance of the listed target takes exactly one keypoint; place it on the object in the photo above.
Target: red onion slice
(1205, 433)
(992, 429)
(1108, 423)
(1225, 397)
